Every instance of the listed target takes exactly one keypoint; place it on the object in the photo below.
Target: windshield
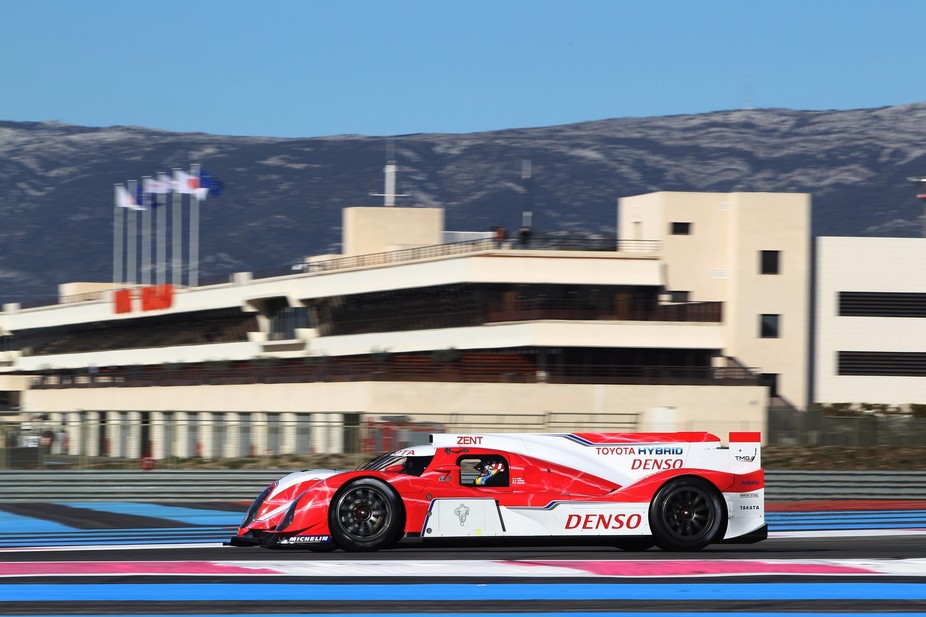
(382, 461)
(411, 465)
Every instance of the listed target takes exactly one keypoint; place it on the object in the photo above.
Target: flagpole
(145, 237)
(194, 232)
(162, 236)
(118, 224)
(131, 267)
(177, 231)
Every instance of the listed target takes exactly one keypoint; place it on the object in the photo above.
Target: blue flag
(208, 181)
(140, 198)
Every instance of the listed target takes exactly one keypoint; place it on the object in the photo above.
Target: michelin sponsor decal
(462, 513)
(306, 540)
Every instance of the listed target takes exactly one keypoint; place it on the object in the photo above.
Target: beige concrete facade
(375, 230)
(68, 290)
(711, 248)
(873, 265)
(657, 408)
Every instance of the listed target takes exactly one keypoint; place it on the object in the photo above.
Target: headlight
(290, 512)
(251, 514)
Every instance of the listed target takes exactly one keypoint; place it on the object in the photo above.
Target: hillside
(283, 197)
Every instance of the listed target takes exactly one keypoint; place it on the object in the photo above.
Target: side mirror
(447, 472)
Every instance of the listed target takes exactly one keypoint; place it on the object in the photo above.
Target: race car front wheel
(365, 515)
(686, 515)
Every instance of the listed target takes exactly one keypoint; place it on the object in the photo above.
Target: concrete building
(658, 331)
(750, 251)
(870, 321)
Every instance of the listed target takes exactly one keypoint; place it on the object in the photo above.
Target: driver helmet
(489, 468)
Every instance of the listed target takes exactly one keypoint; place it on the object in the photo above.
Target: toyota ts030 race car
(679, 491)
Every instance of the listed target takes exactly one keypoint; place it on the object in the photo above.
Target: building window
(882, 363)
(768, 262)
(285, 322)
(679, 296)
(769, 326)
(881, 304)
(681, 229)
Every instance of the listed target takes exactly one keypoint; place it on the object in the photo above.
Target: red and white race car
(679, 491)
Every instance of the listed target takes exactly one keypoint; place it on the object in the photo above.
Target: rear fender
(645, 490)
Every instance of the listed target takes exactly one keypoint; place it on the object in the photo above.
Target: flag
(159, 186)
(166, 181)
(124, 199)
(210, 182)
(188, 185)
(150, 186)
(140, 198)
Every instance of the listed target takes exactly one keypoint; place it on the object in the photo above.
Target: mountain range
(283, 198)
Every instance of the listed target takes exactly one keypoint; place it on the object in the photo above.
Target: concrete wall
(74, 289)
(765, 221)
(719, 261)
(661, 408)
(869, 265)
(374, 230)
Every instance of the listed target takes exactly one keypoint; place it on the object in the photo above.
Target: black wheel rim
(363, 513)
(688, 513)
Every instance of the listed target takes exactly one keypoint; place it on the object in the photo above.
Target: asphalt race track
(159, 559)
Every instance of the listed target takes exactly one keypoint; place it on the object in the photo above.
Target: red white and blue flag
(186, 184)
(161, 186)
(124, 199)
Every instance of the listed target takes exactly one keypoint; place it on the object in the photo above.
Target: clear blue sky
(304, 68)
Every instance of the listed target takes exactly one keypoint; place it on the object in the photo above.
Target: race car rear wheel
(686, 515)
(365, 515)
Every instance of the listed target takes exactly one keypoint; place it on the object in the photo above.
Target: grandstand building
(694, 318)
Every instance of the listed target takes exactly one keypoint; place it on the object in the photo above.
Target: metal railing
(124, 485)
(182, 439)
(534, 309)
(544, 243)
(553, 242)
(814, 485)
(393, 368)
(814, 428)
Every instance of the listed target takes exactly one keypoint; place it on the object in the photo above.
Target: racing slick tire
(365, 515)
(687, 514)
